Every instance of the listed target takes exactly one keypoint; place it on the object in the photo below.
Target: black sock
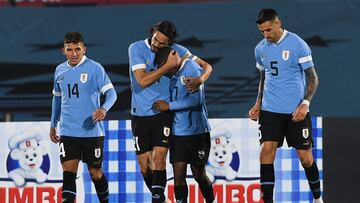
(267, 181)
(69, 187)
(102, 189)
(158, 186)
(312, 174)
(148, 180)
(181, 193)
(206, 188)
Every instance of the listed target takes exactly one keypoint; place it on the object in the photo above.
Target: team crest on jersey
(182, 80)
(305, 133)
(166, 131)
(97, 152)
(285, 55)
(83, 77)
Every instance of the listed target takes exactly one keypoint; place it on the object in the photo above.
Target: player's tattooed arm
(261, 87)
(255, 110)
(312, 82)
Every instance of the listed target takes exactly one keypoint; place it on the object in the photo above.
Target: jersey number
(274, 68)
(62, 150)
(176, 93)
(73, 90)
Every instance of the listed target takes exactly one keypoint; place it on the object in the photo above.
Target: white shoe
(320, 200)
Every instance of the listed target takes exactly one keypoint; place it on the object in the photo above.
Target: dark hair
(161, 56)
(167, 28)
(266, 14)
(73, 37)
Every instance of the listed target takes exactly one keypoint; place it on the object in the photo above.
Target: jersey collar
(282, 36)
(147, 43)
(183, 64)
(81, 62)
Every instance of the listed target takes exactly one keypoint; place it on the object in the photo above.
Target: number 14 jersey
(79, 88)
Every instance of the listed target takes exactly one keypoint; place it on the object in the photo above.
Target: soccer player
(78, 83)
(151, 128)
(190, 141)
(288, 82)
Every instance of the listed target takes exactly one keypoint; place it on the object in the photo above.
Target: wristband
(306, 102)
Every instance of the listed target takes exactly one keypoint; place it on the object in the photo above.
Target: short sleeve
(56, 88)
(259, 64)
(136, 57)
(102, 79)
(305, 58)
(183, 51)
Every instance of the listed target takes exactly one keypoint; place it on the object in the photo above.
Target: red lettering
(41, 190)
(171, 193)
(26, 197)
(200, 196)
(2, 194)
(192, 194)
(59, 196)
(250, 193)
(239, 193)
(218, 193)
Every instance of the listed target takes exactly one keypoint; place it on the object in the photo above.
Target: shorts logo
(285, 55)
(260, 136)
(201, 154)
(182, 80)
(97, 152)
(83, 77)
(305, 133)
(166, 131)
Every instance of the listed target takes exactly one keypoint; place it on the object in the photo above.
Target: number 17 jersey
(80, 88)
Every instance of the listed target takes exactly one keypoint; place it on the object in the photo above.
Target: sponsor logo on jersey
(285, 55)
(83, 77)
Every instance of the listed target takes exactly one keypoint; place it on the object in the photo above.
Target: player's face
(173, 70)
(158, 40)
(271, 30)
(74, 52)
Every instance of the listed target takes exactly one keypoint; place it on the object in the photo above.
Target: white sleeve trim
(305, 59)
(260, 67)
(106, 88)
(194, 58)
(138, 66)
(56, 93)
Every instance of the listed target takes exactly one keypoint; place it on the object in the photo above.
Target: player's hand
(53, 137)
(192, 84)
(161, 105)
(254, 112)
(300, 113)
(172, 60)
(99, 114)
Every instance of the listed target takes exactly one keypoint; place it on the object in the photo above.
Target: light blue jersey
(190, 108)
(284, 63)
(141, 57)
(79, 88)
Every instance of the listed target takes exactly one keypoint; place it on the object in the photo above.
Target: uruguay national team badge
(182, 79)
(83, 77)
(305, 133)
(166, 131)
(285, 55)
(97, 152)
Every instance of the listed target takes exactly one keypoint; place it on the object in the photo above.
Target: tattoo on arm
(312, 82)
(261, 86)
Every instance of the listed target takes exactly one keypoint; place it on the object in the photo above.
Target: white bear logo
(25, 148)
(221, 154)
